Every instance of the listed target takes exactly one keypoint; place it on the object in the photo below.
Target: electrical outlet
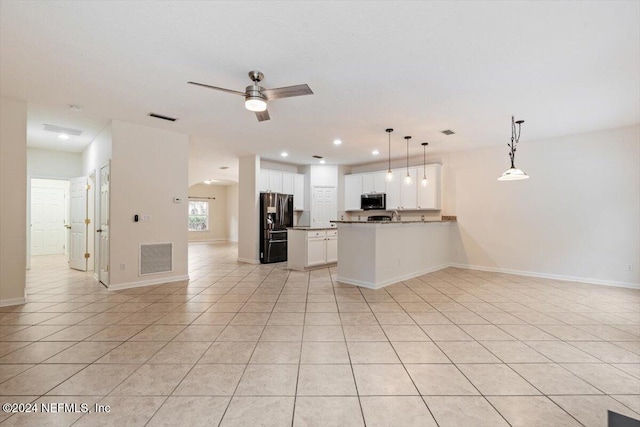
(629, 267)
(123, 266)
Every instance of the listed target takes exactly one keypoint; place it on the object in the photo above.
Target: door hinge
(88, 187)
(87, 255)
(87, 221)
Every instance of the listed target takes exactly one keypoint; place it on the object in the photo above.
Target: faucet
(395, 213)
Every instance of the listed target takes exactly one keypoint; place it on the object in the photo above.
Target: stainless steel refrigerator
(276, 214)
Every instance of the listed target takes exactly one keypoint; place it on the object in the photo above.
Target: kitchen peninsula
(375, 254)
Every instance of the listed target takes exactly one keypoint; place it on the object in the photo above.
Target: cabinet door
(332, 249)
(287, 183)
(316, 251)
(379, 184)
(429, 195)
(275, 182)
(409, 193)
(298, 192)
(352, 192)
(263, 182)
(393, 191)
(368, 185)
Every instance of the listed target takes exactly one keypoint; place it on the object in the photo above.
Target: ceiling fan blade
(235, 92)
(263, 115)
(287, 92)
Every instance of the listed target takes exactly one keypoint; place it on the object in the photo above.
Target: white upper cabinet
(263, 182)
(393, 190)
(368, 185)
(287, 183)
(352, 192)
(409, 193)
(399, 195)
(298, 192)
(275, 182)
(429, 197)
(373, 182)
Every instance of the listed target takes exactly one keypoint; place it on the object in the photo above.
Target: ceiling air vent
(447, 132)
(317, 157)
(61, 130)
(160, 116)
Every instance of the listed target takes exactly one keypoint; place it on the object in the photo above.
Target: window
(198, 215)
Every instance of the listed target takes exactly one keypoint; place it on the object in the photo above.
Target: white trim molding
(397, 279)
(586, 280)
(12, 301)
(141, 283)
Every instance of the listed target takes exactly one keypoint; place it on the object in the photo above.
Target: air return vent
(60, 129)
(160, 116)
(155, 258)
(447, 132)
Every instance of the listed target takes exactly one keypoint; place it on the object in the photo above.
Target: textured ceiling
(419, 67)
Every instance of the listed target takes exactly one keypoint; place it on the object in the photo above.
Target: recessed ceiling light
(337, 142)
(323, 161)
(375, 152)
(63, 136)
(284, 154)
(209, 181)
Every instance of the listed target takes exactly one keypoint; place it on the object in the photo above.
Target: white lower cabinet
(311, 248)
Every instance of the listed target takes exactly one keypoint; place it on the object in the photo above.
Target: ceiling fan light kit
(513, 173)
(256, 96)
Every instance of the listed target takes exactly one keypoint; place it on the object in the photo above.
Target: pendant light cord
(407, 138)
(389, 130)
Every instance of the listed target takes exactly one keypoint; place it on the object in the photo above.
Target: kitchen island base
(374, 255)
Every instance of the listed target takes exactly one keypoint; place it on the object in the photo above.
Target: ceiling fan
(256, 97)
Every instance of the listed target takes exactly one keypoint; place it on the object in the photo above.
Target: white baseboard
(149, 282)
(12, 301)
(249, 261)
(549, 276)
(388, 282)
(208, 241)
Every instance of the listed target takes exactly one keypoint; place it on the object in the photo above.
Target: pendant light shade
(424, 164)
(407, 178)
(389, 176)
(513, 173)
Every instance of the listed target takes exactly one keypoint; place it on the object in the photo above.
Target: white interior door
(103, 231)
(324, 208)
(78, 214)
(47, 217)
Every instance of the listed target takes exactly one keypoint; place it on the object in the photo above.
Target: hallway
(246, 345)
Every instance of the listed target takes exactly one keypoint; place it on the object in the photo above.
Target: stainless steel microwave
(374, 201)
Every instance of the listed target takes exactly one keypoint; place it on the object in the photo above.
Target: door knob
(68, 227)
(99, 230)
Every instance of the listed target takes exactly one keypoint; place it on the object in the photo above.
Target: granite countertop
(448, 218)
(307, 228)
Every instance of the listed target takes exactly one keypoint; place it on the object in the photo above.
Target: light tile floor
(247, 345)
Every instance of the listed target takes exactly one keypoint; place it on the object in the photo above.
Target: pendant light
(513, 174)
(424, 164)
(389, 176)
(407, 178)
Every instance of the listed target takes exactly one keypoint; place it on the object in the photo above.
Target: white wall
(232, 212)
(276, 166)
(248, 216)
(149, 167)
(98, 153)
(578, 216)
(216, 196)
(13, 193)
(53, 164)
